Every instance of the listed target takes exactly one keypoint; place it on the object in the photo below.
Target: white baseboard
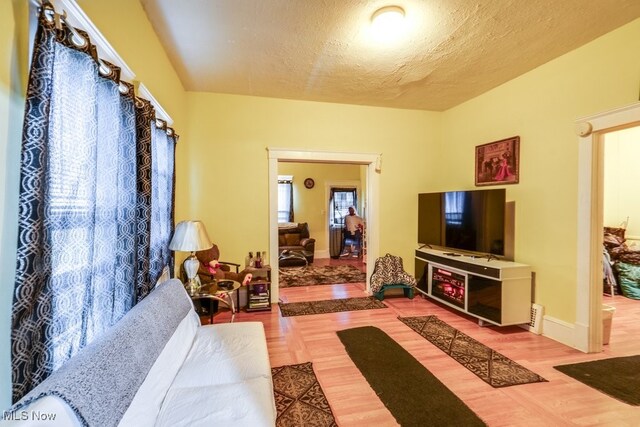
(323, 253)
(559, 330)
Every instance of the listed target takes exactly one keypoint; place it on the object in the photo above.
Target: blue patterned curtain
(144, 116)
(85, 214)
(162, 167)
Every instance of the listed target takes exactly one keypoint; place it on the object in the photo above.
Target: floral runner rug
(329, 306)
(321, 275)
(489, 365)
(300, 400)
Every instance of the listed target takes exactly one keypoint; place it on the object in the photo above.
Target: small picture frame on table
(498, 162)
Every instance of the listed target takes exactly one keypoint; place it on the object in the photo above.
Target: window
(285, 198)
(454, 207)
(85, 191)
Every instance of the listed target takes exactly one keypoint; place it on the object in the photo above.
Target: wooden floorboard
(560, 402)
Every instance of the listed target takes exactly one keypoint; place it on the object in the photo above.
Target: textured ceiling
(320, 50)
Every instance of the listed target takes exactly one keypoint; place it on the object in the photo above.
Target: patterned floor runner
(321, 275)
(300, 400)
(329, 306)
(492, 367)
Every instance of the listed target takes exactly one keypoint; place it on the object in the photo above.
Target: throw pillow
(292, 239)
(629, 279)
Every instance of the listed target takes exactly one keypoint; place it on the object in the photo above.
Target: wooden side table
(259, 296)
(258, 290)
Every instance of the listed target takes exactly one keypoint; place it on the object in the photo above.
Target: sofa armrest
(100, 382)
(309, 244)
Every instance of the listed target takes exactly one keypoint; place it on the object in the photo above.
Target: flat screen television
(470, 221)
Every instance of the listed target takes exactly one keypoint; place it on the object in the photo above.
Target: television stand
(492, 290)
(451, 254)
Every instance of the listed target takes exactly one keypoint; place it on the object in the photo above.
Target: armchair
(211, 268)
(295, 237)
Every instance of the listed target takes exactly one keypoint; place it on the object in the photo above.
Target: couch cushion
(225, 353)
(245, 403)
(292, 239)
(146, 404)
(224, 380)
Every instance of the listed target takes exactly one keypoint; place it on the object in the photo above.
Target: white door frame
(591, 130)
(371, 160)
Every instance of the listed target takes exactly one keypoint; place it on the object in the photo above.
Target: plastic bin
(607, 318)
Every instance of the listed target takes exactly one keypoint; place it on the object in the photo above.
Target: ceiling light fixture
(387, 22)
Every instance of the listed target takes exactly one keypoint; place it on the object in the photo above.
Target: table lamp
(190, 236)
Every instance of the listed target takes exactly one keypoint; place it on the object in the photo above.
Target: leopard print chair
(389, 273)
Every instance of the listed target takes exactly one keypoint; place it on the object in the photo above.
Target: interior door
(340, 199)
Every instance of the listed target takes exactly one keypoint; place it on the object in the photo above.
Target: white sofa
(202, 375)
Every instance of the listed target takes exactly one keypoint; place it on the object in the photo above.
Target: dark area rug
(492, 367)
(300, 400)
(618, 377)
(321, 275)
(413, 395)
(329, 306)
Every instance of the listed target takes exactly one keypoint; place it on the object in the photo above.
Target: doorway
(342, 197)
(621, 219)
(371, 161)
(591, 131)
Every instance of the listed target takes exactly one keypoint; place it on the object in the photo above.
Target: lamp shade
(190, 236)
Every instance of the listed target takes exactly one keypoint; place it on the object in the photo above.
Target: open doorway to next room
(621, 220)
(313, 199)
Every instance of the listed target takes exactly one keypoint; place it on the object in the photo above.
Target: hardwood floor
(561, 401)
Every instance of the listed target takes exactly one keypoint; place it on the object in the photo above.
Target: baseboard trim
(559, 330)
(581, 340)
(322, 254)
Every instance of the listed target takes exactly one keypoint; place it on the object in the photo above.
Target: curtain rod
(77, 18)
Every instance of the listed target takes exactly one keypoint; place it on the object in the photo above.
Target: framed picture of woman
(498, 162)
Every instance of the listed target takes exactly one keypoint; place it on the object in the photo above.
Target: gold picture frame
(498, 162)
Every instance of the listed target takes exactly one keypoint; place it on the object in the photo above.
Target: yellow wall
(621, 178)
(13, 66)
(541, 106)
(311, 205)
(226, 178)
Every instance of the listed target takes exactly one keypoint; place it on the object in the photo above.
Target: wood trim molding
(371, 160)
(591, 130)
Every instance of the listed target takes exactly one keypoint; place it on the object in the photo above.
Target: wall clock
(309, 183)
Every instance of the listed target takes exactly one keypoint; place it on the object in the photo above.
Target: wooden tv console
(492, 290)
